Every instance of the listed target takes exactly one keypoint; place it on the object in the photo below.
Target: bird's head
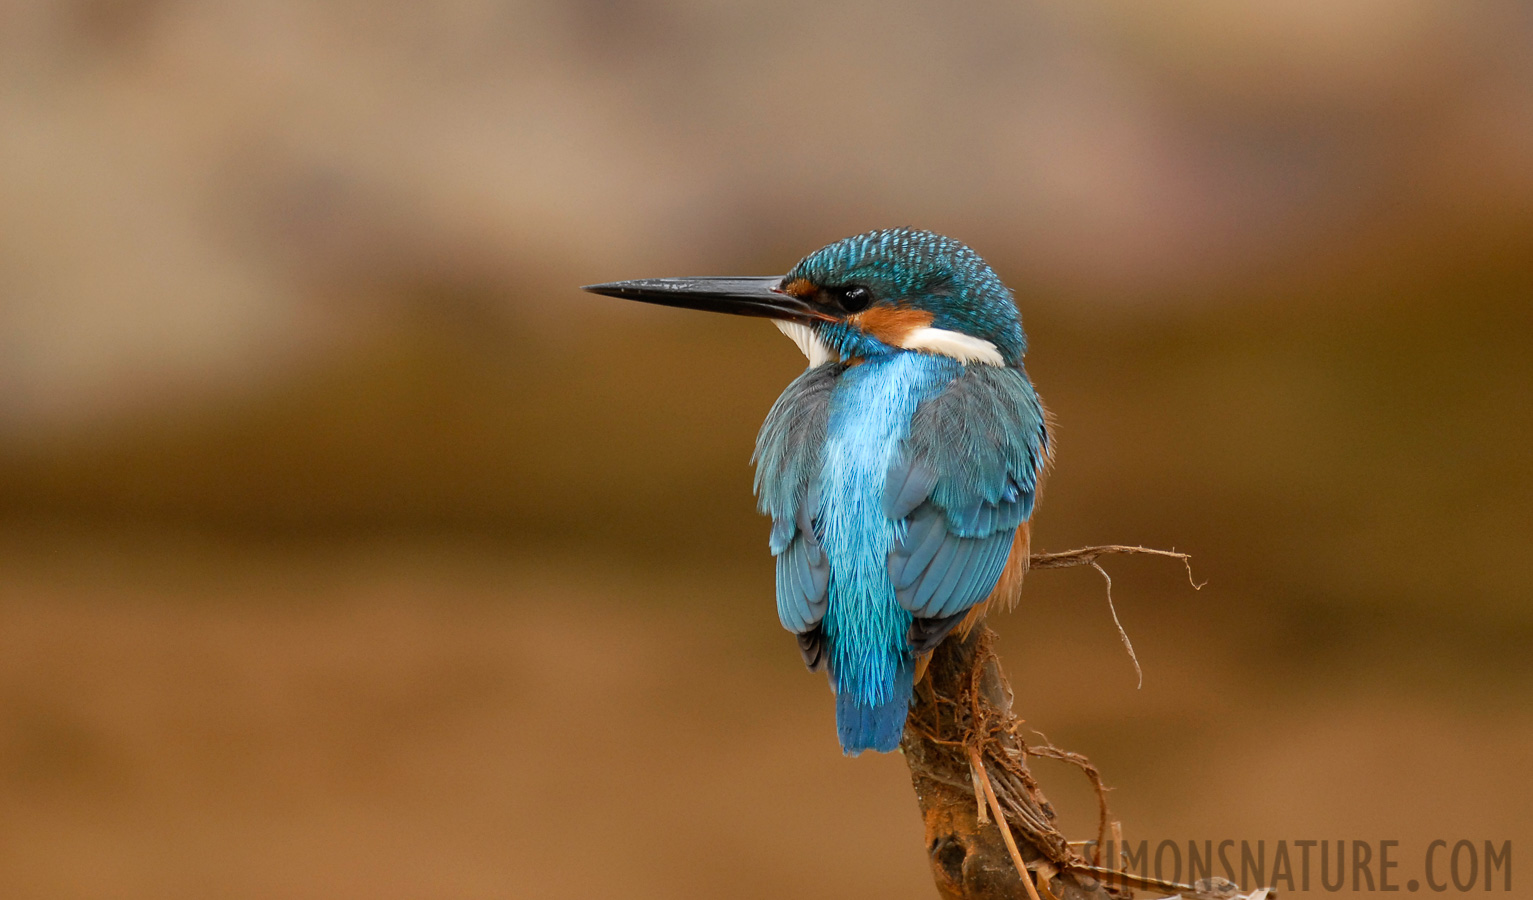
(882, 292)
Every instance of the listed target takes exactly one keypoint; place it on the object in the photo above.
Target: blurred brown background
(347, 550)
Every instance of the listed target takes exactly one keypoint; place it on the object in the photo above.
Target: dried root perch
(989, 830)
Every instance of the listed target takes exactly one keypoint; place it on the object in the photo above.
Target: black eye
(855, 299)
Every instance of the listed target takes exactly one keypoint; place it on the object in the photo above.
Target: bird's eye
(855, 299)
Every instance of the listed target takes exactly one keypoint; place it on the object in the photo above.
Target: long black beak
(750, 296)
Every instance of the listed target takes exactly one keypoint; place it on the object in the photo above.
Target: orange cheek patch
(891, 324)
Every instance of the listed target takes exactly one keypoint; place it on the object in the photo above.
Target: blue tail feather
(879, 726)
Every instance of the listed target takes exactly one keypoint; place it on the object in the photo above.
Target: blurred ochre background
(347, 550)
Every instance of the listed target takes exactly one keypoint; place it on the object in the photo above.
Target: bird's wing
(963, 483)
(788, 455)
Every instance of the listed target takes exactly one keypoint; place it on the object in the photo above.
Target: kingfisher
(900, 468)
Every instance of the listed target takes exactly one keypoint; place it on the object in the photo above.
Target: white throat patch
(808, 342)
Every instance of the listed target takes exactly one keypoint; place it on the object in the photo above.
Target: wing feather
(909, 484)
(965, 482)
(924, 534)
(788, 453)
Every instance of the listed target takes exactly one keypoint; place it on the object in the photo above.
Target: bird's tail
(862, 726)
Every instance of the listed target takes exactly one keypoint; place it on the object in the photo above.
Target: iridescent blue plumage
(952, 282)
(896, 488)
(900, 469)
(896, 485)
(870, 414)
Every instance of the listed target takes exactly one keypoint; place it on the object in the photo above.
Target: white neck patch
(965, 348)
(808, 342)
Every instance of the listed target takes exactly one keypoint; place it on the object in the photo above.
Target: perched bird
(900, 468)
